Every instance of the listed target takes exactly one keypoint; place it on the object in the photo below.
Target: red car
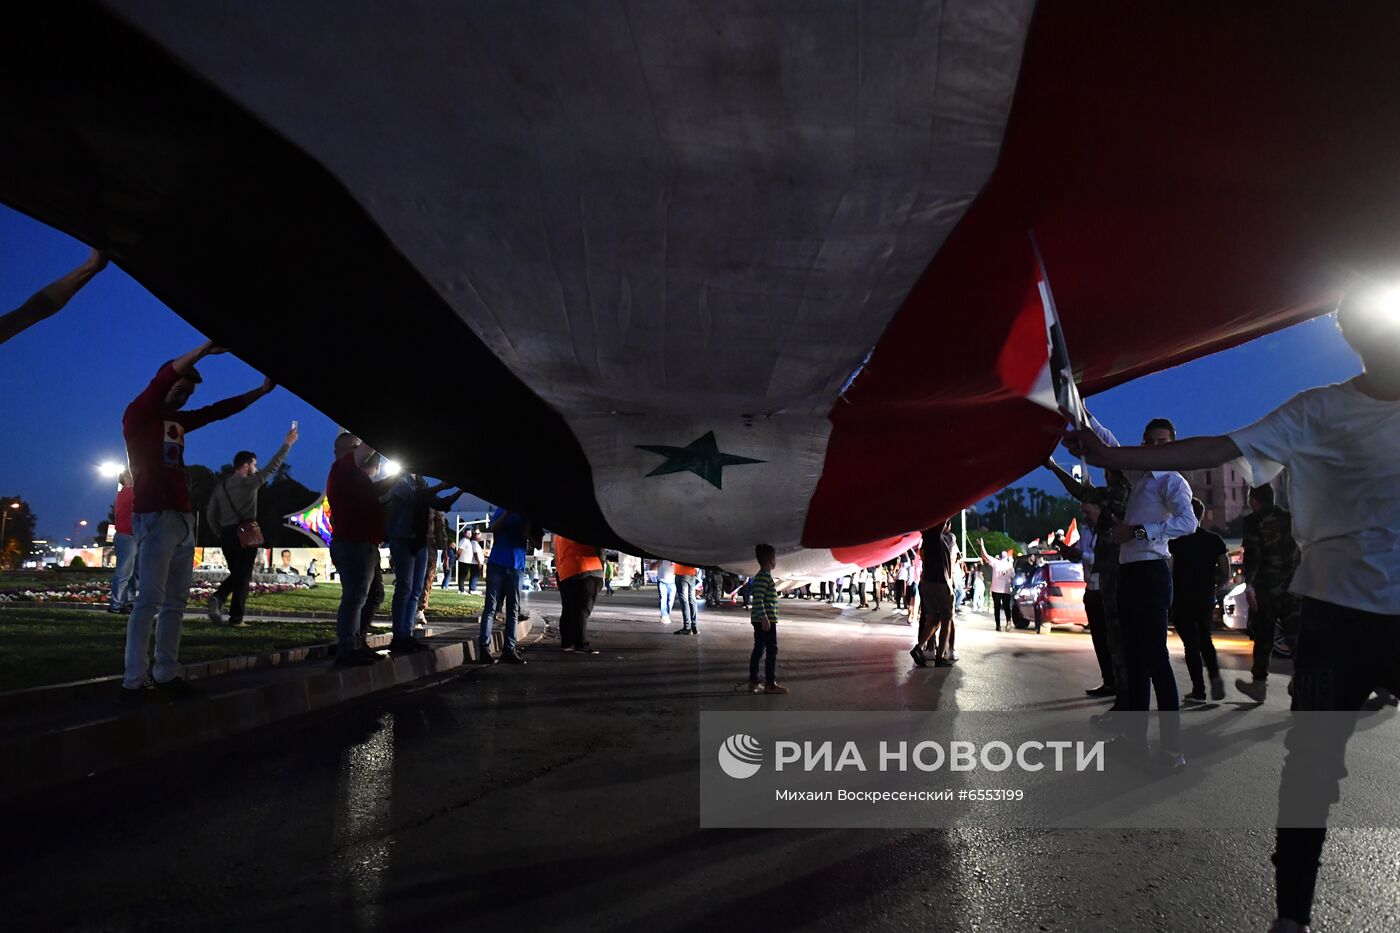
(1053, 595)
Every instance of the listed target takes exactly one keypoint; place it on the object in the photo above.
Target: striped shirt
(763, 597)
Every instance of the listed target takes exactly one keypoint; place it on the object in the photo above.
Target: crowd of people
(1330, 570)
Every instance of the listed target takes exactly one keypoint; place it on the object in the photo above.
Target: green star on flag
(701, 457)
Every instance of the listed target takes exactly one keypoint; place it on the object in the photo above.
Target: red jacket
(126, 498)
(155, 442)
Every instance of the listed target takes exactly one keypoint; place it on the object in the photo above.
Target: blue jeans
(502, 590)
(165, 559)
(666, 591)
(123, 577)
(685, 595)
(764, 643)
(410, 576)
(362, 590)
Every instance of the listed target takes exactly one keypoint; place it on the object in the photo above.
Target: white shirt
(1087, 539)
(665, 571)
(469, 551)
(1002, 572)
(1342, 451)
(1160, 502)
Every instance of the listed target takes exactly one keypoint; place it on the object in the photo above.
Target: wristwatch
(1140, 532)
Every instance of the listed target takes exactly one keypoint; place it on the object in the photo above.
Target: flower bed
(99, 593)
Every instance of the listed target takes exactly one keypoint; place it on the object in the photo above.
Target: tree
(18, 531)
(995, 542)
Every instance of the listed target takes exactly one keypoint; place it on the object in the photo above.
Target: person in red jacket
(124, 543)
(163, 521)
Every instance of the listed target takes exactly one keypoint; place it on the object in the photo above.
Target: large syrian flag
(699, 288)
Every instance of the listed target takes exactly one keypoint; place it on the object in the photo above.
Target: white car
(1237, 619)
(1237, 610)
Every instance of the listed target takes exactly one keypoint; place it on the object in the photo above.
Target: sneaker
(755, 687)
(114, 610)
(775, 688)
(484, 657)
(918, 655)
(139, 696)
(952, 657)
(353, 659)
(1281, 925)
(239, 624)
(408, 645)
(1102, 690)
(1197, 695)
(216, 610)
(128, 609)
(941, 661)
(567, 649)
(421, 619)
(1256, 690)
(177, 688)
(1166, 762)
(1217, 687)
(586, 648)
(681, 631)
(511, 657)
(694, 630)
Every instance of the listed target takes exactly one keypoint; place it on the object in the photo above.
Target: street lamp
(80, 523)
(4, 524)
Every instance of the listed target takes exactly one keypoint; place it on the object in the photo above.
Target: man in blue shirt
(503, 572)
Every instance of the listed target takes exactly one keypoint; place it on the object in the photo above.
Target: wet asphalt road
(563, 795)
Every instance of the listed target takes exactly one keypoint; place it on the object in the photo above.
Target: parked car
(1236, 610)
(1053, 594)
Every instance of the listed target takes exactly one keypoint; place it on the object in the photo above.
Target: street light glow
(110, 469)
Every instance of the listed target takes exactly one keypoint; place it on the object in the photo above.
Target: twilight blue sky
(67, 380)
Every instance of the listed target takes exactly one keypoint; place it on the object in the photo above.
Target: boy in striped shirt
(764, 616)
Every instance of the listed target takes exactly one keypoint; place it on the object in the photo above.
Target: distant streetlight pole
(4, 525)
(80, 523)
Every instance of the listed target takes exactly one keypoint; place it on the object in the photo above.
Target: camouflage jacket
(1270, 553)
(1112, 501)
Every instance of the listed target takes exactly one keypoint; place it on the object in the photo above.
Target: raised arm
(982, 549)
(226, 407)
(51, 298)
(1072, 486)
(1193, 453)
(275, 463)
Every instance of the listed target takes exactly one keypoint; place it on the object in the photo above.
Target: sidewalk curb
(115, 738)
(29, 698)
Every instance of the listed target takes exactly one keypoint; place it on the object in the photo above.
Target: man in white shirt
(1003, 572)
(1341, 447)
(666, 588)
(1158, 510)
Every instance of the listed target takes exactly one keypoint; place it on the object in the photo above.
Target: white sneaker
(420, 619)
(216, 610)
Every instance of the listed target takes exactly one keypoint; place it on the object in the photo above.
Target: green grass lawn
(325, 597)
(44, 646)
